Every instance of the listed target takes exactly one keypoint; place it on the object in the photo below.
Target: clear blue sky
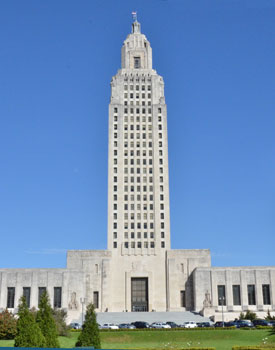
(57, 58)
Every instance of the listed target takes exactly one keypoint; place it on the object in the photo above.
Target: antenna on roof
(134, 14)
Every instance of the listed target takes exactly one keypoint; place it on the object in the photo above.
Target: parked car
(204, 324)
(172, 324)
(126, 326)
(244, 323)
(160, 325)
(230, 324)
(141, 324)
(75, 325)
(262, 323)
(109, 326)
(219, 324)
(190, 324)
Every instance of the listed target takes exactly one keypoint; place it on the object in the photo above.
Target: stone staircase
(150, 317)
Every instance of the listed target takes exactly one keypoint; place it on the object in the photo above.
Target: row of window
(251, 293)
(137, 87)
(137, 110)
(27, 294)
(145, 235)
(138, 189)
(136, 96)
(145, 244)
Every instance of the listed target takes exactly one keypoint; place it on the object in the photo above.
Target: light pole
(82, 300)
(222, 300)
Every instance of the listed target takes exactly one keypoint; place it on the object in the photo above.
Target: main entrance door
(139, 294)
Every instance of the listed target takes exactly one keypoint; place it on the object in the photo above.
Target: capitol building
(139, 272)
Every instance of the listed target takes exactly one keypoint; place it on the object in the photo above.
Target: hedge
(254, 347)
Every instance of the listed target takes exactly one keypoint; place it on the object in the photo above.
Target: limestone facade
(139, 271)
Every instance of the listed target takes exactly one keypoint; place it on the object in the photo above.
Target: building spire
(135, 24)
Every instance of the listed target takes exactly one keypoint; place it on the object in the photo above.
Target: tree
(28, 332)
(60, 321)
(7, 325)
(46, 322)
(250, 315)
(269, 317)
(89, 335)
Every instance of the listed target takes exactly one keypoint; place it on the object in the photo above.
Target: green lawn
(221, 339)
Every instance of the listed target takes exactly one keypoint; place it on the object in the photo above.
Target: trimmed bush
(7, 325)
(253, 347)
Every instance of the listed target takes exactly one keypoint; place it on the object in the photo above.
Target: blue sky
(56, 63)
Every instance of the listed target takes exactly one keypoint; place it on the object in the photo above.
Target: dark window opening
(221, 295)
(27, 295)
(96, 300)
(236, 294)
(266, 294)
(136, 62)
(10, 297)
(251, 294)
(57, 297)
(41, 291)
(182, 298)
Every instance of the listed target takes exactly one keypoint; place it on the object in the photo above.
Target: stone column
(228, 288)
(244, 296)
(259, 291)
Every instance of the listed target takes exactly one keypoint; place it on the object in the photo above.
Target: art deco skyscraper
(138, 186)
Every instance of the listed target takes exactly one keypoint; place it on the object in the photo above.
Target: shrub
(28, 331)
(89, 335)
(7, 325)
(46, 322)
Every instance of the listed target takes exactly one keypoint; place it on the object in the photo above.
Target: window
(41, 291)
(27, 295)
(126, 245)
(96, 299)
(115, 235)
(136, 62)
(57, 297)
(162, 234)
(10, 298)
(266, 294)
(236, 294)
(182, 298)
(152, 244)
(251, 294)
(162, 244)
(115, 110)
(115, 244)
(221, 295)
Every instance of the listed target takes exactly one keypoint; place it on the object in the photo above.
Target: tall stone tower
(138, 186)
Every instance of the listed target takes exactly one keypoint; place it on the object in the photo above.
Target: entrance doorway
(139, 294)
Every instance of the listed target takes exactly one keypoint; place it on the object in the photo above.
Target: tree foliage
(46, 322)
(7, 325)
(28, 331)
(268, 316)
(249, 315)
(60, 321)
(89, 335)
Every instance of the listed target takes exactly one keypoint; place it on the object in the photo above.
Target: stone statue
(207, 300)
(73, 304)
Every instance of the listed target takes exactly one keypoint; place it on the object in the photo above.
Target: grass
(221, 339)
